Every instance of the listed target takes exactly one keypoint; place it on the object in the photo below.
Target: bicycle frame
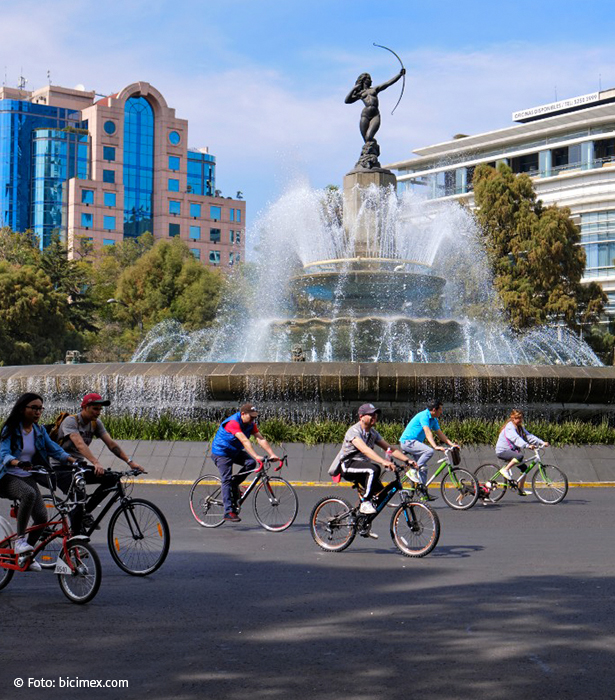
(261, 474)
(535, 461)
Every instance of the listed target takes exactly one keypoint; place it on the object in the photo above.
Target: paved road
(516, 601)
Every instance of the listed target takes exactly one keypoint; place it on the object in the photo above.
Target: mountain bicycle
(138, 535)
(458, 486)
(75, 560)
(549, 483)
(415, 527)
(275, 500)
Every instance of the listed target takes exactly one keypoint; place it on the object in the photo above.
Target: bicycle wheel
(50, 553)
(206, 501)
(5, 577)
(138, 537)
(415, 529)
(82, 584)
(485, 475)
(549, 484)
(275, 504)
(332, 524)
(459, 489)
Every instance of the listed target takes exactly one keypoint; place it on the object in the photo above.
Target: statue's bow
(403, 85)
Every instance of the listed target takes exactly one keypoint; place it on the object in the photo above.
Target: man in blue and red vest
(231, 445)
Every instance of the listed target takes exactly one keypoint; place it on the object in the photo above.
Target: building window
(237, 257)
(175, 207)
(173, 162)
(230, 258)
(108, 153)
(231, 236)
(174, 230)
(196, 252)
(215, 213)
(237, 236)
(214, 235)
(108, 241)
(195, 233)
(87, 196)
(110, 199)
(109, 176)
(195, 210)
(173, 185)
(138, 166)
(174, 137)
(238, 217)
(214, 257)
(232, 214)
(109, 223)
(109, 127)
(87, 220)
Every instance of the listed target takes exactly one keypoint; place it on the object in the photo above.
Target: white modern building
(567, 147)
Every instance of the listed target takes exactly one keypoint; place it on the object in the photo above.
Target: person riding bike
(358, 462)
(75, 435)
(424, 425)
(511, 442)
(231, 445)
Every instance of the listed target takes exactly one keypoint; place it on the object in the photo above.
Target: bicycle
(459, 487)
(76, 563)
(138, 535)
(414, 528)
(275, 500)
(549, 483)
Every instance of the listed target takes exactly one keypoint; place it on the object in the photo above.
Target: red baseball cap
(94, 398)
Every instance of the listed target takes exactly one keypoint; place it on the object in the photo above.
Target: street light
(138, 318)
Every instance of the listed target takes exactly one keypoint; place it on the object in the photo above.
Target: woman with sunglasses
(23, 442)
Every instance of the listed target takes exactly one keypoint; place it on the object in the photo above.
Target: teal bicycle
(549, 483)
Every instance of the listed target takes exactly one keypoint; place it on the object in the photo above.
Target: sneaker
(413, 475)
(368, 533)
(34, 565)
(367, 508)
(427, 496)
(88, 522)
(22, 546)
(232, 517)
(521, 492)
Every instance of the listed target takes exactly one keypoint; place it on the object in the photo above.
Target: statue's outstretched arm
(384, 86)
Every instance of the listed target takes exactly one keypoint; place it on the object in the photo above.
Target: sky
(262, 83)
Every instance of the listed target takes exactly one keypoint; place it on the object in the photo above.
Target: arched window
(138, 166)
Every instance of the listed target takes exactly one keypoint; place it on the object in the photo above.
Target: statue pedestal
(361, 221)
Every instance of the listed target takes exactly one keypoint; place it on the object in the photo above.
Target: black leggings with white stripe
(31, 502)
(365, 473)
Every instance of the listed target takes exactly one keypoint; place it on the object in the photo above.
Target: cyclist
(24, 443)
(511, 442)
(357, 460)
(75, 434)
(424, 425)
(231, 445)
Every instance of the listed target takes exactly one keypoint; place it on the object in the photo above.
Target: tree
(534, 252)
(19, 248)
(33, 317)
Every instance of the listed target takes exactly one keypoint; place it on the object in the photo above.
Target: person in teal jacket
(23, 442)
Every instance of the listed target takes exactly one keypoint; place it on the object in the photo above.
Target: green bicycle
(549, 483)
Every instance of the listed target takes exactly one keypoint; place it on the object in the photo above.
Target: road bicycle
(138, 535)
(275, 500)
(415, 527)
(549, 483)
(458, 486)
(75, 560)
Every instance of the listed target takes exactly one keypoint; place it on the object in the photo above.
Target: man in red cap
(75, 435)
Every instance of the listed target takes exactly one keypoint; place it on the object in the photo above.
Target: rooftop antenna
(21, 83)
(49, 77)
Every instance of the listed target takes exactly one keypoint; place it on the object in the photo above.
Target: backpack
(54, 428)
(335, 470)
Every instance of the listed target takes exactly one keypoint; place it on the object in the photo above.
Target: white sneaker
(367, 508)
(34, 565)
(22, 546)
(373, 535)
(413, 475)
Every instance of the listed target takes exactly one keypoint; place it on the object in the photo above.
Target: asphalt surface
(516, 601)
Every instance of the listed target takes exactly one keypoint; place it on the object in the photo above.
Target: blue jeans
(421, 454)
(230, 482)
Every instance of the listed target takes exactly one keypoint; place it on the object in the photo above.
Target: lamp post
(137, 317)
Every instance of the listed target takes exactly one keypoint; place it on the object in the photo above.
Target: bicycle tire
(206, 502)
(275, 504)
(48, 556)
(549, 484)
(484, 474)
(138, 537)
(459, 489)
(332, 524)
(415, 529)
(5, 577)
(83, 583)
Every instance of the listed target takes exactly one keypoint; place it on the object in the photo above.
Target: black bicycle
(138, 535)
(415, 527)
